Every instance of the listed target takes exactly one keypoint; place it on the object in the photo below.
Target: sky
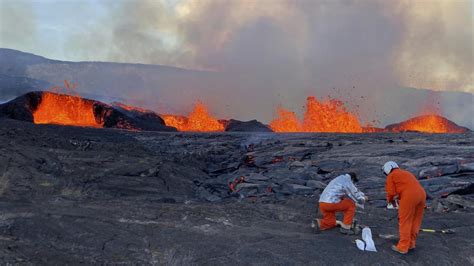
(425, 43)
(294, 47)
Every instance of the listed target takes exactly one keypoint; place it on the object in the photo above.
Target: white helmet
(389, 166)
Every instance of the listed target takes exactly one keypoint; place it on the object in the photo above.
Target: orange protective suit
(412, 198)
(347, 206)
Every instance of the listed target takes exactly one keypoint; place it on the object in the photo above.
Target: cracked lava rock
(71, 195)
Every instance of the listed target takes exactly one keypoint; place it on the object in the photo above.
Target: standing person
(340, 195)
(412, 199)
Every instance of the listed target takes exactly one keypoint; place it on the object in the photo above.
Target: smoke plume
(278, 52)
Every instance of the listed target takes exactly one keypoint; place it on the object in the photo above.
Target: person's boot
(346, 229)
(394, 248)
(355, 227)
(315, 224)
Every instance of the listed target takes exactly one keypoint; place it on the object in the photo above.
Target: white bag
(368, 243)
(367, 237)
(360, 244)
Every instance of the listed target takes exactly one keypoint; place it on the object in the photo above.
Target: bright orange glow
(430, 119)
(286, 121)
(199, 120)
(177, 121)
(329, 116)
(64, 109)
(428, 124)
(320, 116)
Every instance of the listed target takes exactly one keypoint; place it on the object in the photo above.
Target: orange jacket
(399, 182)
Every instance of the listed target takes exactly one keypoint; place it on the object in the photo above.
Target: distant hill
(398, 104)
(98, 78)
(171, 89)
(13, 86)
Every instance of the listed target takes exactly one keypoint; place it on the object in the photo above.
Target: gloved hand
(392, 205)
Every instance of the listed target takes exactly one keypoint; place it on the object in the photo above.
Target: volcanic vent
(66, 110)
(431, 123)
(199, 120)
(320, 116)
(61, 109)
(329, 116)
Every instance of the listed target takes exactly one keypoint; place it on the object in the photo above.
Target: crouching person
(340, 195)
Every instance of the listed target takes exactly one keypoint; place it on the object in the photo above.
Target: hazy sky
(425, 43)
(266, 52)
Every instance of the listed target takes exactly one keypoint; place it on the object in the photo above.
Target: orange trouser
(347, 206)
(410, 215)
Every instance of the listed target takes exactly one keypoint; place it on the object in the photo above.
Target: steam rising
(279, 51)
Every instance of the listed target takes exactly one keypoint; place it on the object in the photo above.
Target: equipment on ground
(444, 231)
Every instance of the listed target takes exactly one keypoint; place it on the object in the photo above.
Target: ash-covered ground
(80, 195)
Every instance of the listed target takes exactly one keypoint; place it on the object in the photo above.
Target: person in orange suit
(340, 195)
(412, 199)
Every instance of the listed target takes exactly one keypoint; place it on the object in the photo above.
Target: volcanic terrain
(329, 116)
(71, 195)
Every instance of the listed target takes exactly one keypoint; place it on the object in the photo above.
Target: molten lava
(329, 116)
(286, 121)
(429, 120)
(320, 116)
(177, 121)
(199, 120)
(427, 124)
(64, 109)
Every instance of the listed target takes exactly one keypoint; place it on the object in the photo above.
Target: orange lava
(177, 121)
(199, 120)
(320, 116)
(64, 109)
(428, 124)
(286, 121)
(429, 120)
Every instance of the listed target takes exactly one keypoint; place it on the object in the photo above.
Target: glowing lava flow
(428, 124)
(199, 120)
(286, 121)
(64, 109)
(329, 116)
(429, 120)
(324, 116)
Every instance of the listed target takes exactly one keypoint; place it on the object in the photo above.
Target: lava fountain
(64, 109)
(429, 119)
(199, 120)
(286, 121)
(320, 116)
(427, 124)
